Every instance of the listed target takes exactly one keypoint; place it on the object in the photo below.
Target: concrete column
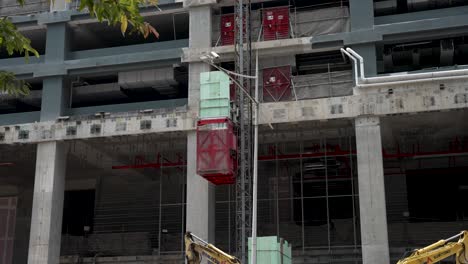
(46, 219)
(55, 90)
(200, 193)
(55, 97)
(59, 5)
(373, 212)
(362, 14)
(49, 182)
(362, 18)
(368, 52)
(57, 42)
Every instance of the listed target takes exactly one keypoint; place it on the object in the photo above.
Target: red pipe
(306, 155)
(150, 165)
(336, 152)
(422, 154)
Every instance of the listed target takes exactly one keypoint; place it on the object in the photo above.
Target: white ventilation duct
(402, 78)
(416, 57)
(447, 51)
(418, 5)
(161, 79)
(385, 7)
(388, 59)
(98, 92)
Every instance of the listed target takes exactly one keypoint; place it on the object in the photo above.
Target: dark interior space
(99, 35)
(322, 62)
(323, 177)
(106, 89)
(38, 42)
(78, 212)
(437, 195)
(11, 104)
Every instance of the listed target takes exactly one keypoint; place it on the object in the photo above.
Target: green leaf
(123, 24)
(9, 84)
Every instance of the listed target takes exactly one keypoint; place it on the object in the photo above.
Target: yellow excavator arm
(441, 250)
(196, 249)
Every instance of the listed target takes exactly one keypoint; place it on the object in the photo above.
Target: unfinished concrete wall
(23, 225)
(11, 7)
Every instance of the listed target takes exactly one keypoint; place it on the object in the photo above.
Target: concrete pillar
(49, 182)
(55, 90)
(368, 52)
(373, 212)
(46, 219)
(200, 193)
(59, 5)
(55, 97)
(362, 14)
(362, 18)
(57, 42)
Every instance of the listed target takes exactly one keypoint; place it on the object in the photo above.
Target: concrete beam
(19, 118)
(403, 31)
(373, 212)
(405, 99)
(129, 107)
(280, 47)
(105, 60)
(402, 100)
(388, 100)
(197, 3)
(119, 124)
(422, 15)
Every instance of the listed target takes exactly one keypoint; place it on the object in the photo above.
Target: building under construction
(362, 144)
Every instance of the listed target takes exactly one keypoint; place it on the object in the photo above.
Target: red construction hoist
(217, 151)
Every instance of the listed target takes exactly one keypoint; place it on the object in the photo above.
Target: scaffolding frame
(243, 65)
(272, 206)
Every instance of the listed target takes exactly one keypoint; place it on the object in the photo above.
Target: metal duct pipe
(361, 62)
(355, 65)
(416, 76)
(405, 78)
(385, 7)
(413, 81)
(420, 5)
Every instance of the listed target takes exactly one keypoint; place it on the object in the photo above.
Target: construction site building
(98, 162)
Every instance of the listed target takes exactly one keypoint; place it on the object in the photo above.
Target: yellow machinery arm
(196, 249)
(440, 251)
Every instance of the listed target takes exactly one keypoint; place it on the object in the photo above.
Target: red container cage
(277, 84)
(217, 151)
(228, 25)
(276, 23)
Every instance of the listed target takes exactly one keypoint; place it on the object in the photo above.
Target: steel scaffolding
(243, 65)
